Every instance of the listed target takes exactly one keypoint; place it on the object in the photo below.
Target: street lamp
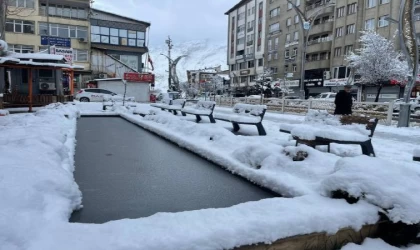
(306, 23)
(409, 45)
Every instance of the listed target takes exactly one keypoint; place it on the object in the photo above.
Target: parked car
(328, 96)
(415, 104)
(99, 95)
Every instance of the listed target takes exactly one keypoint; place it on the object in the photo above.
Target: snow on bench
(247, 114)
(176, 106)
(416, 154)
(202, 108)
(163, 104)
(351, 130)
(4, 112)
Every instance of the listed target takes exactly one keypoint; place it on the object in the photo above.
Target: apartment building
(334, 33)
(32, 26)
(118, 44)
(246, 43)
(199, 78)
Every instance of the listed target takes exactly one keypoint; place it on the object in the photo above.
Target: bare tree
(265, 82)
(7, 10)
(188, 89)
(377, 61)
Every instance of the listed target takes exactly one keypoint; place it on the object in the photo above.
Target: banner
(67, 53)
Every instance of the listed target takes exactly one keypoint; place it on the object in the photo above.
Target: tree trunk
(379, 92)
(3, 10)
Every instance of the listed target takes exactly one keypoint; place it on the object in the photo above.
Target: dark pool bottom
(127, 172)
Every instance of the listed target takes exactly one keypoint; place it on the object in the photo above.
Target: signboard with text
(58, 41)
(335, 82)
(67, 53)
(139, 77)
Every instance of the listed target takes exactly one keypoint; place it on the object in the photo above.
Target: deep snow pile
(321, 117)
(375, 244)
(36, 179)
(393, 187)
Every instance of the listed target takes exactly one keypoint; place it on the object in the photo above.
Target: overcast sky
(183, 20)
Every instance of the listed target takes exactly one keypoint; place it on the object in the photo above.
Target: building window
(286, 68)
(296, 19)
(21, 3)
(276, 55)
(260, 62)
(286, 54)
(251, 78)
(382, 22)
(253, 10)
(350, 29)
(276, 43)
(18, 48)
(370, 3)
(339, 32)
(269, 57)
(340, 11)
(251, 64)
(337, 52)
(20, 26)
(348, 49)
(370, 24)
(249, 12)
(296, 36)
(289, 6)
(62, 30)
(289, 21)
(383, 1)
(295, 52)
(274, 12)
(80, 55)
(63, 11)
(294, 68)
(351, 8)
(114, 36)
(240, 41)
(287, 38)
(297, 2)
(275, 27)
(274, 70)
(241, 16)
(269, 45)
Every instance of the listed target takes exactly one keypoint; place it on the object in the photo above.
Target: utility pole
(47, 12)
(170, 45)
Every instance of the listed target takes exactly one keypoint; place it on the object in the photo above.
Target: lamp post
(306, 23)
(170, 45)
(409, 46)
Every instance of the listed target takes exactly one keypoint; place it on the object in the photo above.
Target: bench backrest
(370, 122)
(255, 110)
(167, 101)
(179, 102)
(208, 105)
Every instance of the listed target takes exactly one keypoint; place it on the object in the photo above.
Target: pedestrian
(343, 102)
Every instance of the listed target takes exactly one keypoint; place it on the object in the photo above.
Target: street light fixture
(306, 23)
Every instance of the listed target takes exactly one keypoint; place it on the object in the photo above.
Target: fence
(383, 111)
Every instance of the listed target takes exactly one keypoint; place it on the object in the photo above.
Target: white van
(327, 96)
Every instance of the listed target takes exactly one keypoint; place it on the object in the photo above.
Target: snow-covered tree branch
(377, 61)
(189, 90)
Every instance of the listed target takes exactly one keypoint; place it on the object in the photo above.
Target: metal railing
(383, 111)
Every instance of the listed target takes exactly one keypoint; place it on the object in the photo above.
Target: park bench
(246, 114)
(163, 104)
(416, 155)
(325, 135)
(176, 106)
(202, 108)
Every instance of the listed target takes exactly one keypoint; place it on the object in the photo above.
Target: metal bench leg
(197, 118)
(212, 119)
(367, 148)
(261, 130)
(235, 127)
(175, 112)
(329, 147)
(183, 114)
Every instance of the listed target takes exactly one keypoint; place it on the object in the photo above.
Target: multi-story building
(246, 45)
(334, 33)
(32, 26)
(199, 79)
(118, 44)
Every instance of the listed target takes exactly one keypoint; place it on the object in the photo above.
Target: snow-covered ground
(38, 191)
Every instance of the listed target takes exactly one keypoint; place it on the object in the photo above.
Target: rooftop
(242, 2)
(128, 18)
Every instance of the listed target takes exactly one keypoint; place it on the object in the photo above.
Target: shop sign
(67, 53)
(137, 77)
(383, 96)
(287, 83)
(58, 41)
(335, 82)
(314, 82)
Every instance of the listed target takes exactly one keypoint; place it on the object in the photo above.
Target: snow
(201, 108)
(38, 56)
(416, 152)
(39, 192)
(371, 244)
(393, 187)
(321, 117)
(4, 112)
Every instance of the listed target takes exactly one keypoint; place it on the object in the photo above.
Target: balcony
(240, 57)
(313, 8)
(250, 56)
(319, 46)
(249, 43)
(317, 64)
(323, 27)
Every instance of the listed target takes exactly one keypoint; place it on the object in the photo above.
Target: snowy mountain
(200, 54)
